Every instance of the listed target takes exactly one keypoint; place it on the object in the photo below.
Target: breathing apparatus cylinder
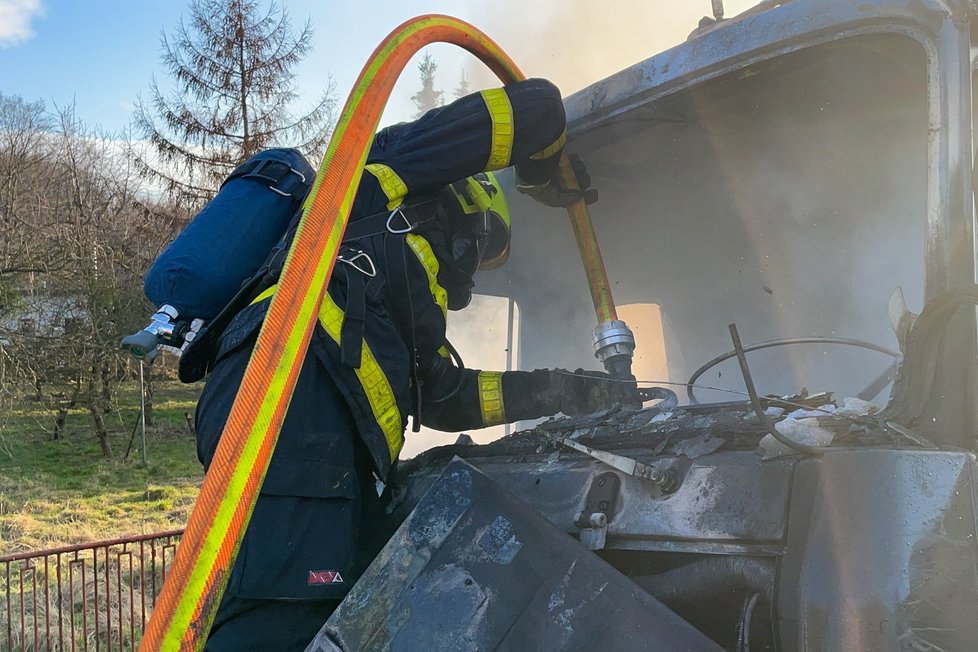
(224, 245)
(230, 238)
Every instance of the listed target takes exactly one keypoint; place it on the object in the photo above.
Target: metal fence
(93, 596)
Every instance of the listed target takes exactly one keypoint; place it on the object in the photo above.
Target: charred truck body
(786, 171)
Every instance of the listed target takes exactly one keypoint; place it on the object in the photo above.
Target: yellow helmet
(481, 197)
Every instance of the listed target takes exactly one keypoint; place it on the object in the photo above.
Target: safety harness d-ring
(356, 262)
(408, 227)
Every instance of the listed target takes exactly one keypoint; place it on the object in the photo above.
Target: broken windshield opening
(788, 197)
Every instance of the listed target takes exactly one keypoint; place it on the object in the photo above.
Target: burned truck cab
(803, 171)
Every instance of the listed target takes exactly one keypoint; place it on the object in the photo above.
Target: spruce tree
(233, 87)
(427, 98)
(463, 87)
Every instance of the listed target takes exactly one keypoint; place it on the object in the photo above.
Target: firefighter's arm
(465, 399)
(461, 399)
(521, 124)
(452, 398)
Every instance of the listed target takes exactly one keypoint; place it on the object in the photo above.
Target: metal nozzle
(614, 345)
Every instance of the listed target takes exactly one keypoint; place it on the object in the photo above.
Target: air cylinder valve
(167, 329)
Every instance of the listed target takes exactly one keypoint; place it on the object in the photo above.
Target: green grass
(65, 491)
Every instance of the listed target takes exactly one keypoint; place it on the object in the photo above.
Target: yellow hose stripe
(491, 398)
(551, 149)
(501, 113)
(195, 584)
(275, 392)
(372, 378)
(393, 186)
(197, 588)
(427, 258)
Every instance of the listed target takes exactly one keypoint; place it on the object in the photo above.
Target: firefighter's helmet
(484, 218)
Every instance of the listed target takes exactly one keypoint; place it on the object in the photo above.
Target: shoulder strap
(404, 219)
(278, 175)
(198, 357)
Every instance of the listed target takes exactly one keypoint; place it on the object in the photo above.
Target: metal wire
(788, 341)
(813, 451)
(735, 392)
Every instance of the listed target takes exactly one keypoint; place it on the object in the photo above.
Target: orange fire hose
(198, 575)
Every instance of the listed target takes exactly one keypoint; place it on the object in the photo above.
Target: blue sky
(103, 54)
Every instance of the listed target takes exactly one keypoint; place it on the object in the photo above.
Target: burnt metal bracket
(600, 507)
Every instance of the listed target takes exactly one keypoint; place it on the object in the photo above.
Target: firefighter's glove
(583, 392)
(553, 194)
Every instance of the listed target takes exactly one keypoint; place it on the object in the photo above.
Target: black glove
(584, 392)
(553, 195)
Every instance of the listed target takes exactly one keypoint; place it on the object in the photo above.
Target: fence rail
(91, 596)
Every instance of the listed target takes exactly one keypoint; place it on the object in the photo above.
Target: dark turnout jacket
(347, 418)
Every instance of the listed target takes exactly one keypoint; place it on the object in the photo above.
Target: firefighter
(427, 215)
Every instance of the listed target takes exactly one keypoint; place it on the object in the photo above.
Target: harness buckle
(271, 179)
(390, 220)
(355, 261)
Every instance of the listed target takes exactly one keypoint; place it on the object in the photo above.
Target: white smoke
(577, 43)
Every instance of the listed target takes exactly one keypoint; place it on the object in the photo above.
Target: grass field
(66, 491)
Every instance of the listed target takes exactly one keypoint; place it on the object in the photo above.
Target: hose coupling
(614, 346)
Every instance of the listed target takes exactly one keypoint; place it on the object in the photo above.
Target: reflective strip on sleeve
(443, 352)
(551, 149)
(501, 113)
(426, 256)
(372, 378)
(393, 186)
(491, 398)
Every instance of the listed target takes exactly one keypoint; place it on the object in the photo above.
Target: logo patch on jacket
(324, 577)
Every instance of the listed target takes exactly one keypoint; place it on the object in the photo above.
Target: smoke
(788, 198)
(579, 42)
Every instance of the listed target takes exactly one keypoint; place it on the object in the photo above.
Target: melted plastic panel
(475, 568)
(789, 197)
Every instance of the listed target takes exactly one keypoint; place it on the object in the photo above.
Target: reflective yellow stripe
(426, 256)
(265, 295)
(392, 185)
(372, 378)
(467, 207)
(552, 149)
(443, 352)
(491, 398)
(501, 113)
(375, 384)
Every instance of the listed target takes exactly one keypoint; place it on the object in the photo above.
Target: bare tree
(232, 67)
(82, 232)
(26, 152)
(427, 98)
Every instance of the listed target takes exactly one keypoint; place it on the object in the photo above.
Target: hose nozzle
(614, 346)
